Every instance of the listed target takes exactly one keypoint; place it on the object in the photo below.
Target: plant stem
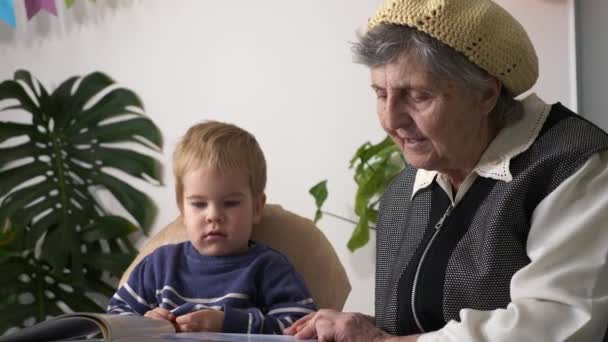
(344, 218)
(339, 217)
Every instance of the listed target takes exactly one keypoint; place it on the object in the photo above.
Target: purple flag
(7, 12)
(32, 7)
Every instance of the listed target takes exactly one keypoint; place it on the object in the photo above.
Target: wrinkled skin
(330, 325)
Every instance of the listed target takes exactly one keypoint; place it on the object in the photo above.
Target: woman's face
(438, 124)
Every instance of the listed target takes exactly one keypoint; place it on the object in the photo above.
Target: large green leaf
(107, 227)
(131, 162)
(114, 104)
(62, 104)
(12, 90)
(12, 154)
(27, 276)
(10, 129)
(49, 179)
(130, 130)
(134, 201)
(36, 292)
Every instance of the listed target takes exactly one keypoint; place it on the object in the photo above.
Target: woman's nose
(394, 113)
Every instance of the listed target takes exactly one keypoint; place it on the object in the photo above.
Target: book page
(213, 337)
(84, 325)
(56, 329)
(121, 326)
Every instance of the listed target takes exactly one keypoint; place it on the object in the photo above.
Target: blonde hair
(220, 146)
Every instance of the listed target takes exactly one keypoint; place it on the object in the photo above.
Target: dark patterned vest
(469, 261)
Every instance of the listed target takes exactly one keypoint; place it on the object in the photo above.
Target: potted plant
(375, 166)
(59, 244)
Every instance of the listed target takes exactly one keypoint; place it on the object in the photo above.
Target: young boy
(219, 280)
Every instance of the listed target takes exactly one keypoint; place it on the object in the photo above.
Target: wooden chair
(298, 238)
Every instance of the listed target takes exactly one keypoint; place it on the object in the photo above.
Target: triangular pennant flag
(32, 7)
(70, 3)
(7, 12)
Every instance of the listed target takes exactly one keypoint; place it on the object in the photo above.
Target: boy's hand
(162, 314)
(202, 320)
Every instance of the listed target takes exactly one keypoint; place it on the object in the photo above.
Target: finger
(325, 330)
(159, 313)
(298, 325)
(185, 328)
(185, 319)
(167, 315)
(152, 314)
(306, 332)
(162, 310)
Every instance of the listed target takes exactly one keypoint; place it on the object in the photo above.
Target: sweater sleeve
(137, 295)
(284, 299)
(562, 295)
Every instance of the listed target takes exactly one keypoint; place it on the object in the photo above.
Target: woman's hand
(331, 325)
(202, 320)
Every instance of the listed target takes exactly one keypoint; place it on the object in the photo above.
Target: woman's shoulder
(567, 135)
(564, 122)
(565, 142)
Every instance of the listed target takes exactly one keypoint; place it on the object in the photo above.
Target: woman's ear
(259, 201)
(490, 95)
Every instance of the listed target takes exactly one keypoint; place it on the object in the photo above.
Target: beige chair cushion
(298, 238)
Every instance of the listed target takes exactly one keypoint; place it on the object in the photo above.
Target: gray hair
(385, 43)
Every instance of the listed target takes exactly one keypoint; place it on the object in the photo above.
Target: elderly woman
(496, 230)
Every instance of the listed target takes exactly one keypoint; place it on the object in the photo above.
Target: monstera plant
(59, 244)
(375, 166)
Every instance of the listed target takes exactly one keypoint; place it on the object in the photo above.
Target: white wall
(281, 69)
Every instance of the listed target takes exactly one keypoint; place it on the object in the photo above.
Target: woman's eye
(419, 96)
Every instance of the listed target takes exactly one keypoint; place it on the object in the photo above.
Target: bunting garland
(32, 7)
(7, 13)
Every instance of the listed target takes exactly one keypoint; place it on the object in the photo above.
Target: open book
(88, 325)
(121, 328)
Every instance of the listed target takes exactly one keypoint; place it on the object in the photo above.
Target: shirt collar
(514, 138)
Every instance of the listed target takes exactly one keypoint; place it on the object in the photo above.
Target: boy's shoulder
(270, 255)
(168, 251)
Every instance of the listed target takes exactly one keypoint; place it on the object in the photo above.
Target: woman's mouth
(410, 141)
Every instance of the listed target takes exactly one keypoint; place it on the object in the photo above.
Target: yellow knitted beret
(480, 29)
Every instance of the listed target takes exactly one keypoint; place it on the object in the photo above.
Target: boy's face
(219, 210)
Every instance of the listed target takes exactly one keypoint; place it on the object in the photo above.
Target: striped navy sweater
(259, 291)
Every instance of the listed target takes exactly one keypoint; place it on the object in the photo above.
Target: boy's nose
(215, 215)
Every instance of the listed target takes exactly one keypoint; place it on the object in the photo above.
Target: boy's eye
(198, 204)
(232, 203)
